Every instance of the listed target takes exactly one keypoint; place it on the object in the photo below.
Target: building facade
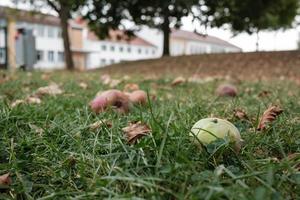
(89, 52)
(190, 43)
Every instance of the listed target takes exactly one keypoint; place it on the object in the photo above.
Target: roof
(202, 38)
(119, 37)
(29, 16)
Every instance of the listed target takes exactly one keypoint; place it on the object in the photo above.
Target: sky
(269, 40)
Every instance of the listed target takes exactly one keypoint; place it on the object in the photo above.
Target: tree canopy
(250, 16)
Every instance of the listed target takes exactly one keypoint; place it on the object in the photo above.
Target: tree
(106, 15)
(298, 43)
(251, 16)
(155, 13)
(64, 8)
(162, 15)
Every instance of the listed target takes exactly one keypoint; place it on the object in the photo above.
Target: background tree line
(251, 16)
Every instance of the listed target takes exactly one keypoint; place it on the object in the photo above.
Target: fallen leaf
(264, 93)
(105, 79)
(17, 102)
(268, 116)
(135, 131)
(52, 90)
(114, 82)
(177, 81)
(5, 179)
(45, 76)
(36, 129)
(295, 159)
(33, 100)
(131, 87)
(126, 78)
(83, 85)
(240, 114)
(99, 124)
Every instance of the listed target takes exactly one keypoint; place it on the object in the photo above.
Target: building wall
(177, 47)
(2, 42)
(49, 45)
(191, 47)
(102, 53)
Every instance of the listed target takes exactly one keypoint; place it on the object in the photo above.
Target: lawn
(51, 152)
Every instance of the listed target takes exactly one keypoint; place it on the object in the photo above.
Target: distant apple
(210, 129)
(227, 90)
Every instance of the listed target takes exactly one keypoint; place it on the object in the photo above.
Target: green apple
(210, 129)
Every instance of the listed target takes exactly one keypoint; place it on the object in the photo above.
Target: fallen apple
(110, 98)
(227, 90)
(210, 129)
(138, 97)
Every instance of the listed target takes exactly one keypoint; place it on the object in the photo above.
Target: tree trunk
(64, 16)
(166, 32)
(257, 40)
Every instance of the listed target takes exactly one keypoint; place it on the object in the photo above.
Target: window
(61, 56)
(59, 33)
(102, 61)
(103, 47)
(51, 56)
(139, 50)
(121, 49)
(40, 30)
(153, 51)
(112, 61)
(2, 55)
(129, 49)
(146, 51)
(50, 32)
(112, 48)
(40, 55)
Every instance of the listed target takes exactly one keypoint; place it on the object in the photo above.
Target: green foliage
(251, 15)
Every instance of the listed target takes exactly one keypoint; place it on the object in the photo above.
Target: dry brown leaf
(83, 85)
(36, 129)
(126, 78)
(177, 81)
(99, 124)
(5, 179)
(130, 87)
(45, 76)
(105, 79)
(240, 114)
(17, 102)
(33, 100)
(294, 158)
(264, 93)
(114, 82)
(268, 116)
(52, 90)
(135, 131)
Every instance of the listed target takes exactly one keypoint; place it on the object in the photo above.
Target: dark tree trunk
(257, 40)
(166, 32)
(64, 16)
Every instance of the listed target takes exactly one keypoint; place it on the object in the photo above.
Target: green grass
(69, 161)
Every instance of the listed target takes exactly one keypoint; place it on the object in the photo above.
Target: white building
(189, 43)
(114, 50)
(89, 51)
